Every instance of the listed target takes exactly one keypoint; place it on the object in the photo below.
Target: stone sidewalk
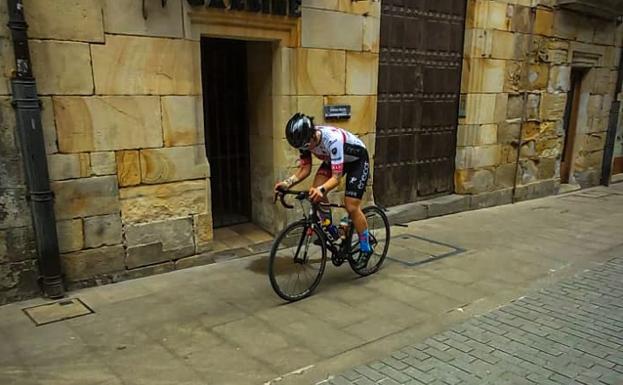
(570, 333)
(222, 324)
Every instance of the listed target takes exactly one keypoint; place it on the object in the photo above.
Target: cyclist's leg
(357, 175)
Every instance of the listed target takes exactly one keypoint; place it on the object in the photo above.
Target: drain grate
(412, 250)
(57, 311)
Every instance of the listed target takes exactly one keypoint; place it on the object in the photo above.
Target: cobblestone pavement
(570, 333)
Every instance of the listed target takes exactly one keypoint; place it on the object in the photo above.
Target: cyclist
(341, 153)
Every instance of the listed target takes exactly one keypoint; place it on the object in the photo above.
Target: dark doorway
(571, 123)
(419, 87)
(224, 78)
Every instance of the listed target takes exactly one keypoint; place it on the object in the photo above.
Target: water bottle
(333, 232)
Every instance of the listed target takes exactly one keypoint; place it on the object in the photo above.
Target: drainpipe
(524, 114)
(28, 118)
(613, 122)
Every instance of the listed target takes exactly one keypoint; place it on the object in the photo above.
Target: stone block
(144, 255)
(474, 181)
(605, 34)
(203, 228)
(171, 200)
(128, 168)
(70, 235)
(363, 113)
(484, 75)
(7, 65)
(550, 147)
(445, 205)
(528, 170)
(4, 19)
(361, 73)
(553, 106)
(19, 281)
(536, 190)
(48, 125)
(107, 123)
(79, 20)
(62, 67)
(8, 140)
(532, 106)
(547, 168)
(480, 108)
(102, 230)
(559, 79)
(566, 25)
(476, 157)
(407, 213)
(514, 107)
(591, 142)
(11, 172)
(126, 17)
(503, 45)
(88, 264)
(491, 199)
(544, 22)
(285, 71)
(538, 77)
(321, 72)
(520, 20)
(173, 164)
(489, 15)
(371, 34)
(103, 163)
(86, 197)
(172, 234)
(14, 209)
(504, 175)
(182, 120)
(69, 166)
(325, 29)
(477, 135)
(17, 244)
(130, 65)
(501, 106)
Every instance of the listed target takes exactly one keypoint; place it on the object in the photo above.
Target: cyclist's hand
(281, 186)
(315, 195)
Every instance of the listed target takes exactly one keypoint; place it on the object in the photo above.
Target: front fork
(303, 246)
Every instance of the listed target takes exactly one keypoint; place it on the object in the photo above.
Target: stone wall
(123, 116)
(505, 55)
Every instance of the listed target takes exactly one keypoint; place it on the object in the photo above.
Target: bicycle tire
(275, 263)
(381, 257)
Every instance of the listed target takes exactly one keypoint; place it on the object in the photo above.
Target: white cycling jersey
(337, 146)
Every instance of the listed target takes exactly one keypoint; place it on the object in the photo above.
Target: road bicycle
(299, 253)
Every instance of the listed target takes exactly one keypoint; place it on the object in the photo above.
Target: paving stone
(559, 335)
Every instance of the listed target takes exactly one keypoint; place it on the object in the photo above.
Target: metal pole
(613, 123)
(28, 118)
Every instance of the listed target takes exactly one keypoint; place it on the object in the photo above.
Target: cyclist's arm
(336, 149)
(303, 172)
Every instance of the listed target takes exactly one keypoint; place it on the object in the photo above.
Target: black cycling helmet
(299, 130)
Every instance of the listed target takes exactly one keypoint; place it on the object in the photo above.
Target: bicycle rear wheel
(378, 227)
(296, 264)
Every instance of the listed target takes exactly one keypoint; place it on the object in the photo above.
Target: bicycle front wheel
(297, 262)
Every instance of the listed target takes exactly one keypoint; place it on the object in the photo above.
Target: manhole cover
(57, 311)
(412, 250)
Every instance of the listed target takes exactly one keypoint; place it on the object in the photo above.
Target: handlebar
(300, 195)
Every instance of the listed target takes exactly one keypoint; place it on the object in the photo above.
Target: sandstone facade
(123, 122)
(516, 80)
